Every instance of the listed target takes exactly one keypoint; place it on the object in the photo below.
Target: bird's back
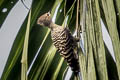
(65, 43)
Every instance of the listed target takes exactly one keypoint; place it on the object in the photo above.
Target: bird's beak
(38, 22)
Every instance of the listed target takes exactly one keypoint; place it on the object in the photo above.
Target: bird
(63, 40)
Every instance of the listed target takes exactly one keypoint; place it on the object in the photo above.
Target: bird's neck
(53, 26)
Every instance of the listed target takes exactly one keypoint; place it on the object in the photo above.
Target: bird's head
(44, 20)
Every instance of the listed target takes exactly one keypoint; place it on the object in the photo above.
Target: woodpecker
(63, 40)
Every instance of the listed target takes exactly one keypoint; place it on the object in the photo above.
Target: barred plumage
(63, 41)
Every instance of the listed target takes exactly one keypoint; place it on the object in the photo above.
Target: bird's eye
(48, 14)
